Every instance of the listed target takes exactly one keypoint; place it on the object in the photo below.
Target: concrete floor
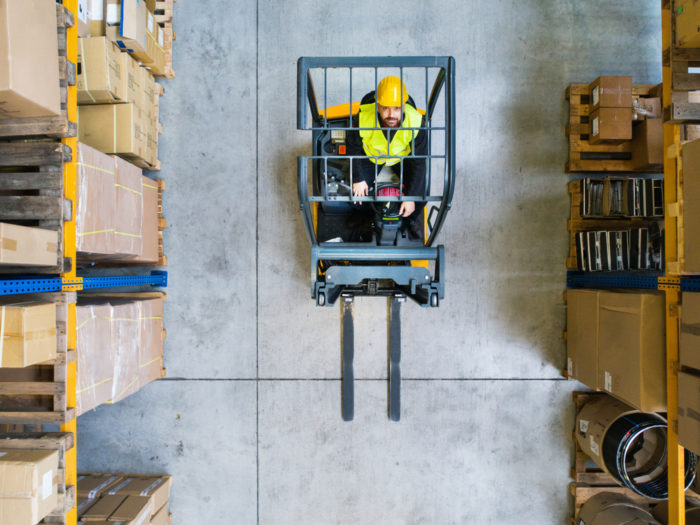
(248, 419)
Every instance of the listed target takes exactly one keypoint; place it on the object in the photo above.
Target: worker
(385, 109)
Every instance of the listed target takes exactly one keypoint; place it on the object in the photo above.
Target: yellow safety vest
(374, 141)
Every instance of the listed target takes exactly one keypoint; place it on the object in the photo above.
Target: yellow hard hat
(390, 90)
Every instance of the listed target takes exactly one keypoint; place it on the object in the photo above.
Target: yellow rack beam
(676, 467)
(69, 250)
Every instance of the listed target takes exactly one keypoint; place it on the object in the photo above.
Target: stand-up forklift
(375, 255)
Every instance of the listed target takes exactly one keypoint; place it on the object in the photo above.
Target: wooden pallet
(163, 12)
(577, 224)
(162, 224)
(169, 37)
(597, 157)
(37, 394)
(59, 441)
(589, 479)
(32, 194)
(58, 126)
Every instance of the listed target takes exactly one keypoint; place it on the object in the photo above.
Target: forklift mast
(384, 261)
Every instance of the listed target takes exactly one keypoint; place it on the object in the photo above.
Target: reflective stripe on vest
(374, 141)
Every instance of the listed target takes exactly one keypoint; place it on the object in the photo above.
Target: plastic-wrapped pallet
(151, 347)
(126, 339)
(129, 208)
(95, 355)
(96, 206)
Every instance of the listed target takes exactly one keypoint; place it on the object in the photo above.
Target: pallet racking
(49, 390)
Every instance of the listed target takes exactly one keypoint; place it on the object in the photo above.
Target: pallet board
(577, 224)
(58, 126)
(37, 394)
(32, 194)
(59, 441)
(596, 157)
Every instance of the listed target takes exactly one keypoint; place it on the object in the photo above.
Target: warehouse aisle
(248, 419)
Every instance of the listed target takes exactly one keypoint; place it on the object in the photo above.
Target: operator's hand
(407, 208)
(360, 189)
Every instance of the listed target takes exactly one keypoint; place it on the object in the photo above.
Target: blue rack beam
(612, 280)
(57, 284)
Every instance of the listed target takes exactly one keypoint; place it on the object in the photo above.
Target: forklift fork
(347, 343)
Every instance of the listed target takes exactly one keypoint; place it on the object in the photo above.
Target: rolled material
(608, 508)
(629, 445)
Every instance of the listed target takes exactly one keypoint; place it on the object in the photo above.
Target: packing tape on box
(150, 186)
(18, 495)
(95, 385)
(108, 481)
(95, 232)
(132, 190)
(152, 486)
(127, 235)
(690, 328)
(51, 247)
(159, 358)
(9, 244)
(84, 69)
(146, 514)
(31, 336)
(114, 123)
(94, 167)
(692, 414)
(120, 486)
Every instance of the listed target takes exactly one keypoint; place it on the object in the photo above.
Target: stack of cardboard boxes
(29, 487)
(616, 342)
(128, 498)
(120, 347)
(117, 94)
(117, 210)
(27, 332)
(613, 111)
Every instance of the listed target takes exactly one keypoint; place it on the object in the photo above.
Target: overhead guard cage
(431, 78)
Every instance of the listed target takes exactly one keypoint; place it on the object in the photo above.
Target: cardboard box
(582, 336)
(26, 245)
(134, 509)
(29, 85)
(92, 486)
(609, 508)
(96, 17)
(691, 207)
(646, 107)
(112, 128)
(687, 28)
(154, 47)
(96, 201)
(611, 92)
(648, 144)
(129, 208)
(28, 330)
(129, 32)
(610, 125)
(689, 411)
(103, 508)
(96, 361)
(126, 339)
(155, 489)
(151, 346)
(689, 348)
(83, 504)
(161, 517)
(149, 237)
(28, 491)
(100, 76)
(632, 348)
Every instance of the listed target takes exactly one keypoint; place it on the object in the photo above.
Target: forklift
(373, 253)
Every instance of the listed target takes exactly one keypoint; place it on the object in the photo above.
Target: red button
(341, 149)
